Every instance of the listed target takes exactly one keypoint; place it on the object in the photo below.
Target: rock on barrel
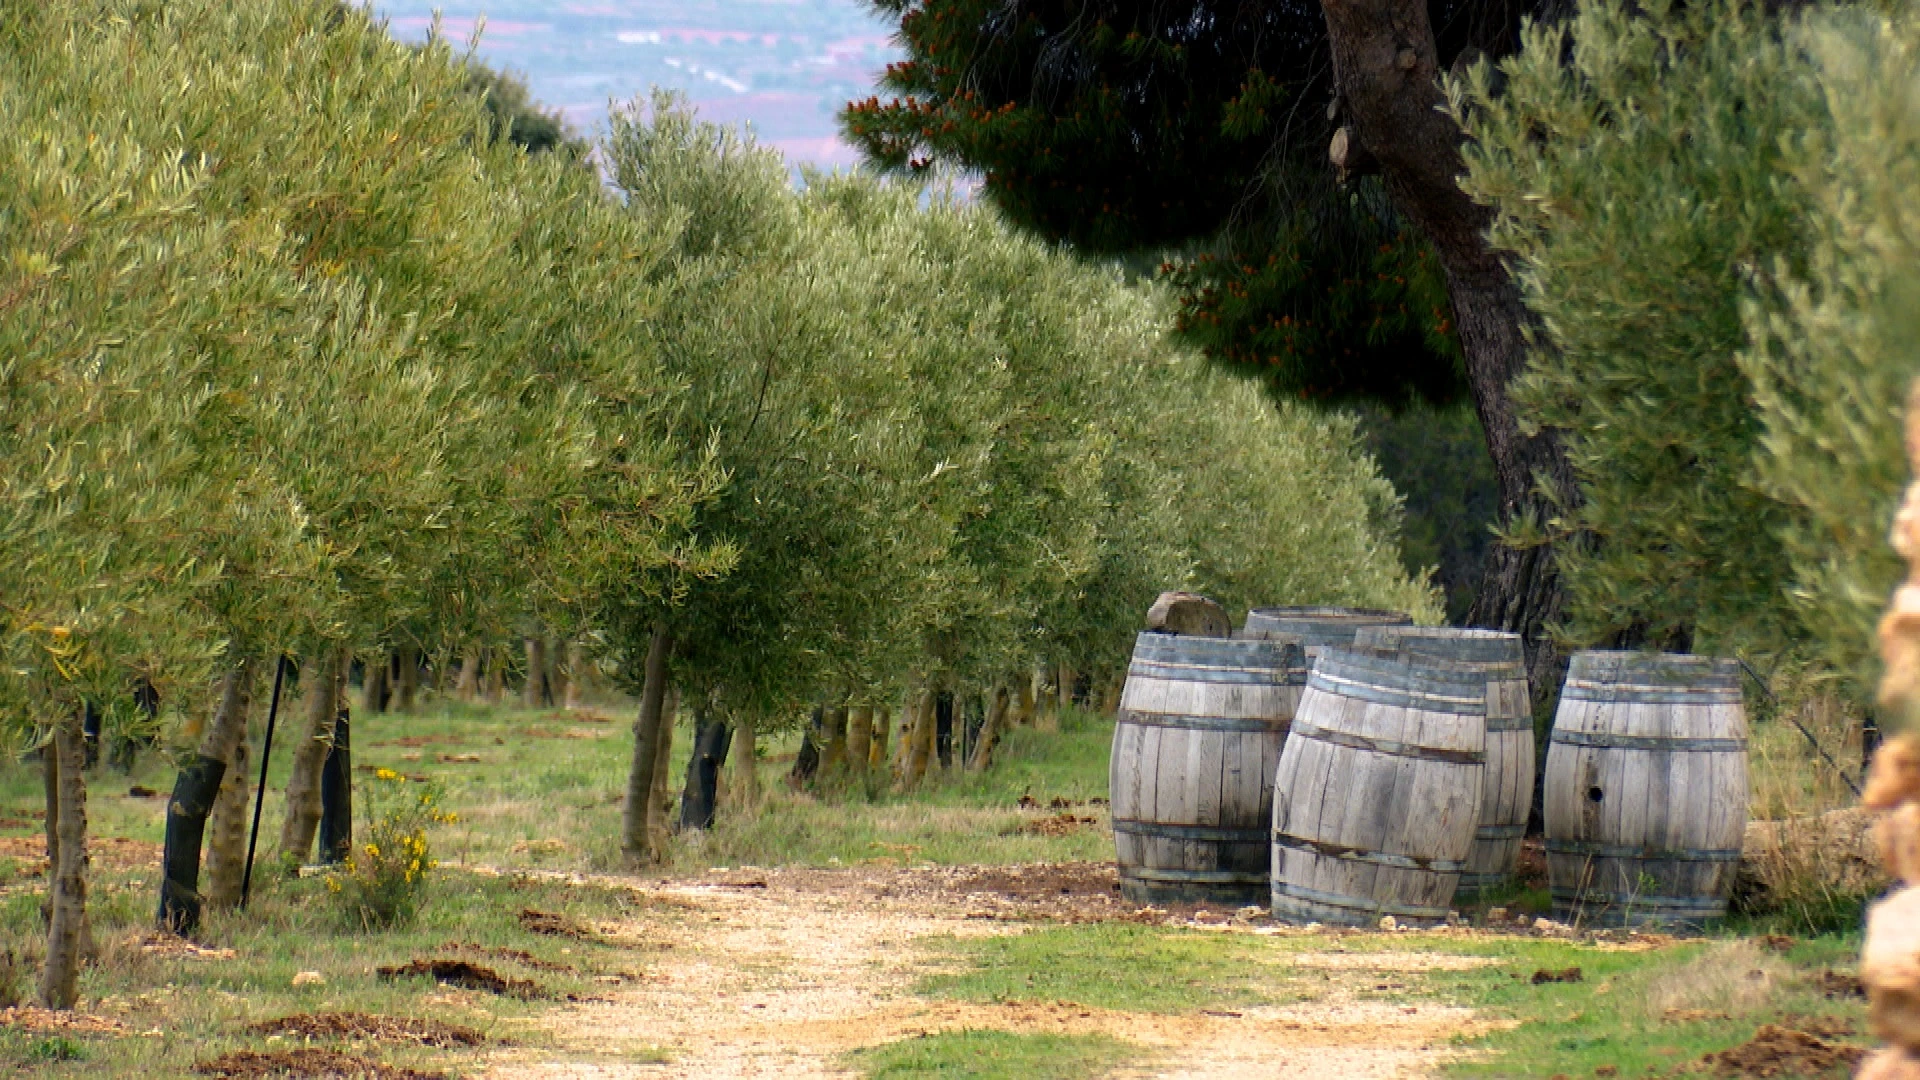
(1646, 789)
(1378, 791)
(1191, 779)
(1506, 793)
(1316, 628)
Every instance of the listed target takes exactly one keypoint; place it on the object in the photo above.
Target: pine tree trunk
(576, 675)
(859, 738)
(990, 730)
(323, 677)
(67, 930)
(882, 726)
(375, 686)
(635, 840)
(1386, 68)
(533, 691)
(407, 686)
(659, 823)
(227, 824)
(467, 686)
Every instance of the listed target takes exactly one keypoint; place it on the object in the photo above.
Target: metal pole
(260, 799)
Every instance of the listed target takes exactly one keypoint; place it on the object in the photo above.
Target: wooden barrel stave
(1316, 628)
(1507, 792)
(1375, 803)
(1660, 739)
(1201, 722)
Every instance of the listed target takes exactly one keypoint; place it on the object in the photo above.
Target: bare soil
(1776, 1051)
(781, 980)
(466, 976)
(350, 1025)
(307, 1063)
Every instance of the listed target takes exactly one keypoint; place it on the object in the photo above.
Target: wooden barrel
(1506, 793)
(1378, 790)
(1316, 628)
(1200, 726)
(1646, 789)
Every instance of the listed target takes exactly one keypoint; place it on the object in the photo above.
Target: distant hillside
(785, 66)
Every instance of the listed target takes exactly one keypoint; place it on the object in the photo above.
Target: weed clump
(307, 1063)
(382, 879)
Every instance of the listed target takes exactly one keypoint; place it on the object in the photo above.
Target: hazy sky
(785, 66)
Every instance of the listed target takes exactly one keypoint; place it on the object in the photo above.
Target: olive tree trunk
(659, 823)
(833, 740)
(743, 768)
(324, 677)
(636, 839)
(919, 750)
(196, 793)
(882, 725)
(406, 690)
(533, 693)
(859, 738)
(467, 686)
(376, 685)
(496, 675)
(990, 730)
(227, 825)
(576, 675)
(67, 929)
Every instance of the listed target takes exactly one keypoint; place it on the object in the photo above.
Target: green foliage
(1834, 341)
(992, 1055)
(1634, 178)
(385, 874)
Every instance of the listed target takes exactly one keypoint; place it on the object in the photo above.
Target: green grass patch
(1121, 966)
(993, 1055)
(1642, 1012)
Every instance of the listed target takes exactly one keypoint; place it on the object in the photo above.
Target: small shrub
(56, 1048)
(382, 879)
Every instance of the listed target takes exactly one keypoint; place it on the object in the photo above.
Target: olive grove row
(299, 359)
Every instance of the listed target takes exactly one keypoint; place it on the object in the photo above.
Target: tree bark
(1386, 66)
(990, 730)
(701, 794)
(496, 675)
(833, 740)
(232, 807)
(467, 686)
(635, 840)
(67, 930)
(559, 678)
(406, 691)
(658, 821)
(919, 747)
(375, 686)
(859, 738)
(576, 675)
(533, 693)
(336, 789)
(882, 726)
(743, 789)
(323, 676)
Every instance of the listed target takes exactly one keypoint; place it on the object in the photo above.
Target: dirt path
(781, 979)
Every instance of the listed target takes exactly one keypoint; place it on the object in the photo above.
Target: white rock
(309, 978)
(1388, 922)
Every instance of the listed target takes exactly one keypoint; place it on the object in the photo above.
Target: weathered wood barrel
(1200, 727)
(1316, 628)
(1646, 789)
(1506, 793)
(1378, 791)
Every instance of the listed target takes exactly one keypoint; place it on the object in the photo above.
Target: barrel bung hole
(1594, 794)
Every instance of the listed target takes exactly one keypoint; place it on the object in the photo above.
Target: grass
(1113, 965)
(543, 795)
(992, 1055)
